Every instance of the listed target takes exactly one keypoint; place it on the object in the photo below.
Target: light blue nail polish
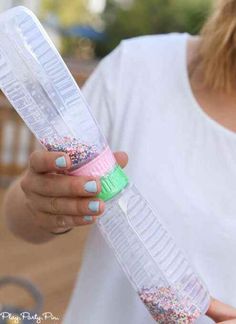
(88, 218)
(61, 162)
(91, 186)
(94, 206)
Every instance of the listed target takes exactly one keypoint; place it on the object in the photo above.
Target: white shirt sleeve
(99, 91)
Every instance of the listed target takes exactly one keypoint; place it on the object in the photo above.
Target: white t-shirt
(182, 161)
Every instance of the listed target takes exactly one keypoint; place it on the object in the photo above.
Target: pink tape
(99, 166)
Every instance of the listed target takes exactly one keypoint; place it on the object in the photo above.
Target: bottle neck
(112, 177)
(113, 183)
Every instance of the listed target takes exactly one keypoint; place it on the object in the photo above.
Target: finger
(228, 322)
(68, 206)
(220, 312)
(57, 185)
(59, 223)
(121, 158)
(44, 161)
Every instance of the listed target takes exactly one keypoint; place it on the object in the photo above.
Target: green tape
(113, 183)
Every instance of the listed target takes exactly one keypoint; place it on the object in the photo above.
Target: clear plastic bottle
(36, 81)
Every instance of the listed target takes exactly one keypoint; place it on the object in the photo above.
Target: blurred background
(84, 31)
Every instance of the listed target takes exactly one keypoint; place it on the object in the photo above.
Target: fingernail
(94, 206)
(91, 186)
(88, 218)
(61, 162)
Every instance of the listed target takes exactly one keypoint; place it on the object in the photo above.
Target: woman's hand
(221, 313)
(58, 201)
(46, 201)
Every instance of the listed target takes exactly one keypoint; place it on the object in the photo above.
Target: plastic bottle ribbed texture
(156, 267)
(36, 81)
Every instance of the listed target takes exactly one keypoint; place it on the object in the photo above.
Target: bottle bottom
(158, 270)
(166, 306)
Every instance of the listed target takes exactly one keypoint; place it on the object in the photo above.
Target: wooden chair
(16, 143)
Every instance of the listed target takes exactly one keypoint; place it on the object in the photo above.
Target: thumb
(221, 312)
(121, 158)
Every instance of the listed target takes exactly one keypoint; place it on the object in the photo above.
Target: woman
(170, 102)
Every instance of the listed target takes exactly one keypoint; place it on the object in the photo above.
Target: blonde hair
(218, 47)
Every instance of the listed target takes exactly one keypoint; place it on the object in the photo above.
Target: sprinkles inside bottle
(166, 306)
(79, 153)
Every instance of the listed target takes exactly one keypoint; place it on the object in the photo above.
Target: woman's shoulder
(152, 41)
(135, 59)
(143, 50)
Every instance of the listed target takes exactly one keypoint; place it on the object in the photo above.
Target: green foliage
(151, 17)
(69, 12)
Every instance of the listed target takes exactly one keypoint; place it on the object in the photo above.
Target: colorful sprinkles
(79, 153)
(166, 306)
